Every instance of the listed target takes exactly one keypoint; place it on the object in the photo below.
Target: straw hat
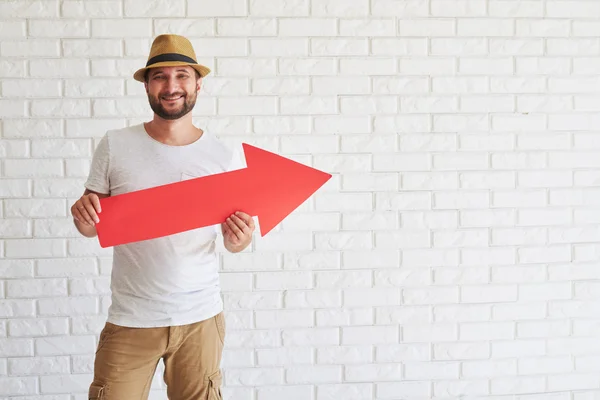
(169, 51)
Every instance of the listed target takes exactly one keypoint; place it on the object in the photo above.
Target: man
(166, 301)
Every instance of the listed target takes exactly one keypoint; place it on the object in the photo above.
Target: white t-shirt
(172, 280)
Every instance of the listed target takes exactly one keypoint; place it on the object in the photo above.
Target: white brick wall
(454, 253)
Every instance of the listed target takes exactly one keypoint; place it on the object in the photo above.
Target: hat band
(170, 57)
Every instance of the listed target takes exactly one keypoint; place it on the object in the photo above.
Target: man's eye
(183, 77)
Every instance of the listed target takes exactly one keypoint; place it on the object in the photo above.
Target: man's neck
(178, 132)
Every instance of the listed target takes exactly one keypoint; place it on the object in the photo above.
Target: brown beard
(189, 101)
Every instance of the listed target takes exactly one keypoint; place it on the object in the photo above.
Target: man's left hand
(237, 231)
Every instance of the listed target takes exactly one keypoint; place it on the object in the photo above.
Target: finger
(89, 207)
(241, 224)
(95, 202)
(234, 228)
(229, 235)
(76, 215)
(80, 215)
(245, 217)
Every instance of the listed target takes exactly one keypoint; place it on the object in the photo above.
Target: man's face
(172, 91)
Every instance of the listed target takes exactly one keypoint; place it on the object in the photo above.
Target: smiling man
(166, 301)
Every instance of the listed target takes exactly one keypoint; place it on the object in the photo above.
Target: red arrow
(271, 187)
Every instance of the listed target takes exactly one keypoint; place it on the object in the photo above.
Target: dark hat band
(170, 57)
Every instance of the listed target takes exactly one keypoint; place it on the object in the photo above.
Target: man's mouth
(172, 98)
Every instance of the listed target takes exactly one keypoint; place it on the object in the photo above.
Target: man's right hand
(85, 212)
(86, 209)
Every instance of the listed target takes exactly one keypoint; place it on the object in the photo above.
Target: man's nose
(172, 84)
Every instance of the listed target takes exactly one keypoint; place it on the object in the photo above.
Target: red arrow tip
(286, 184)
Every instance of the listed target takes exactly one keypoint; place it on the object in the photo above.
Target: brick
(229, 8)
(433, 295)
(355, 391)
(543, 65)
(409, 389)
(155, 8)
(303, 66)
(316, 374)
(18, 386)
(283, 356)
(405, 352)
(487, 218)
(487, 180)
(399, 47)
(76, 383)
(402, 86)
(305, 27)
(376, 66)
(37, 288)
(459, 46)
(457, 85)
(91, 47)
(367, 27)
(282, 86)
(462, 275)
(339, 47)
(30, 88)
(91, 9)
(457, 8)
(373, 372)
(484, 66)
(61, 108)
(67, 306)
(340, 86)
(58, 28)
(313, 299)
(290, 392)
(12, 108)
(31, 48)
(295, 8)
(107, 28)
(405, 162)
(552, 142)
(424, 27)
(407, 201)
(344, 355)
(275, 47)
(12, 68)
(433, 371)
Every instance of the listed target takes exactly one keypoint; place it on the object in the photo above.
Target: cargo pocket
(96, 392)
(214, 386)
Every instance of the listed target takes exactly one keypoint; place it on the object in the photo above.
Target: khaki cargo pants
(126, 361)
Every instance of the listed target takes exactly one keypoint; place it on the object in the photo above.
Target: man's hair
(148, 72)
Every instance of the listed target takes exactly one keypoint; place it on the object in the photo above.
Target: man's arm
(86, 212)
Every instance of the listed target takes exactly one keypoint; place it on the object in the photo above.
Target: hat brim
(139, 74)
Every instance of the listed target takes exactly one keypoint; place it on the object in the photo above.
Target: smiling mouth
(171, 99)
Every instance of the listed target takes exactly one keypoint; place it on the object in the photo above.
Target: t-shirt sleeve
(98, 178)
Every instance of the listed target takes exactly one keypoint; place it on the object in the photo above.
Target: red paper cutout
(271, 187)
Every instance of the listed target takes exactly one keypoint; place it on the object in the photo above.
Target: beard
(189, 101)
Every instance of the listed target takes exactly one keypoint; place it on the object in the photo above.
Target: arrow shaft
(173, 208)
